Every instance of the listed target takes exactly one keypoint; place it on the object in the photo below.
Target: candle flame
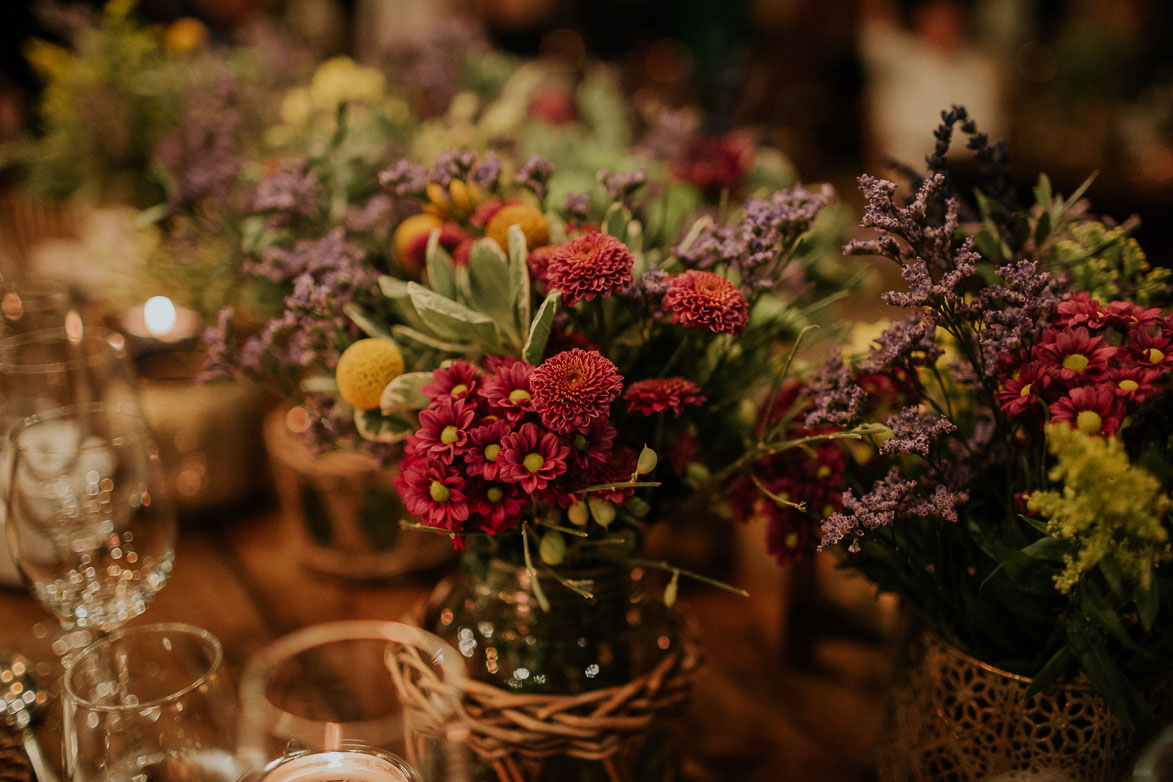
(159, 315)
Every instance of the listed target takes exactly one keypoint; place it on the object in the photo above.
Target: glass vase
(582, 690)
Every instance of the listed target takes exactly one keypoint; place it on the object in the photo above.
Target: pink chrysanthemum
(1135, 384)
(617, 469)
(591, 265)
(657, 394)
(531, 458)
(1126, 315)
(573, 388)
(508, 389)
(592, 446)
(538, 261)
(700, 299)
(1148, 351)
(434, 494)
(1073, 353)
(1093, 410)
(457, 380)
(484, 446)
(1081, 310)
(1022, 392)
(444, 429)
(499, 506)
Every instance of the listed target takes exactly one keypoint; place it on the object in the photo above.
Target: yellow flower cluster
(1107, 507)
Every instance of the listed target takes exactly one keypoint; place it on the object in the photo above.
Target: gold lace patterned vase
(951, 718)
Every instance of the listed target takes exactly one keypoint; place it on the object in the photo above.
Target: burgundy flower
(484, 213)
(531, 458)
(591, 265)
(592, 446)
(700, 299)
(1126, 315)
(508, 389)
(617, 469)
(444, 429)
(1090, 409)
(1135, 384)
(1022, 392)
(1081, 310)
(484, 446)
(434, 494)
(657, 394)
(498, 504)
(573, 388)
(462, 252)
(457, 380)
(1073, 353)
(416, 251)
(538, 261)
(1149, 351)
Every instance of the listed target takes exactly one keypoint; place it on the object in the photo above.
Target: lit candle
(351, 766)
(159, 319)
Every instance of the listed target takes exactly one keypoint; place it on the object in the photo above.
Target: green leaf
(1107, 619)
(1079, 191)
(1058, 666)
(1113, 575)
(441, 273)
(1089, 648)
(396, 292)
(410, 336)
(1042, 229)
(404, 393)
(1148, 601)
(488, 286)
(1042, 192)
(519, 275)
(319, 384)
(450, 320)
(635, 236)
(373, 425)
(694, 231)
(539, 331)
(615, 221)
(152, 215)
(364, 321)
(1050, 549)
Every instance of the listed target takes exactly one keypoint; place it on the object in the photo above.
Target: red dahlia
(657, 394)
(573, 388)
(699, 299)
(591, 265)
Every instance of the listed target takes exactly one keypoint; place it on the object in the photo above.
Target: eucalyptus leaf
(373, 425)
(453, 321)
(404, 393)
(539, 332)
(410, 336)
(615, 221)
(519, 275)
(396, 292)
(489, 288)
(441, 273)
(364, 321)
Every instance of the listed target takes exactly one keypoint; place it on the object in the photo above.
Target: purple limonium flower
(908, 342)
(455, 163)
(835, 394)
(535, 176)
(484, 174)
(577, 205)
(878, 508)
(220, 363)
(290, 191)
(914, 431)
(620, 186)
(405, 179)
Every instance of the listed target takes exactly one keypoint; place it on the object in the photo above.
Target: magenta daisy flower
(1022, 392)
(657, 394)
(1126, 315)
(1149, 351)
(573, 388)
(434, 494)
(457, 380)
(1135, 384)
(499, 506)
(531, 458)
(700, 299)
(1081, 310)
(592, 446)
(1073, 353)
(444, 429)
(591, 265)
(484, 446)
(508, 389)
(1093, 410)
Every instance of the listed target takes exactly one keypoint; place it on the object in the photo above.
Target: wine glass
(150, 703)
(355, 700)
(88, 519)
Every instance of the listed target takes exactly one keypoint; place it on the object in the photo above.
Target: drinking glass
(88, 519)
(29, 305)
(150, 703)
(358, 700)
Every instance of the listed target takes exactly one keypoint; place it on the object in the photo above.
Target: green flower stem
(639, 561)
(568, 530)
(776, 386)
(531, 571)
(768, 449)
(618, 485)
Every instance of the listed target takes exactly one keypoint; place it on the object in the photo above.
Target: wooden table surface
(753, 717)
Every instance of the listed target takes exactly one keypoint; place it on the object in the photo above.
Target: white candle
(161, 320)
(354, 766)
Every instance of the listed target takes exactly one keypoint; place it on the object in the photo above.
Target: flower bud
(579, 514)
(602, 511)
(552, 548)
(670, 590)
(647, 461)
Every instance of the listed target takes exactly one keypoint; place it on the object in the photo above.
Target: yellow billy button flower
(532, 222)
(364, 370)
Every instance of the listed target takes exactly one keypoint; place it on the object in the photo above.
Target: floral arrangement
(1018, 496)
(559, 379)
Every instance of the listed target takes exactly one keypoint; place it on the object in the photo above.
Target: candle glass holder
(335, 701)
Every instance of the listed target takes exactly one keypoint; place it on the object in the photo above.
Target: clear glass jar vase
(583, 691)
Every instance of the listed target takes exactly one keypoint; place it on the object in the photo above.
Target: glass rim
(179, 628)
(36, 286)
(90, 335)
(257, 672)
(140, 433)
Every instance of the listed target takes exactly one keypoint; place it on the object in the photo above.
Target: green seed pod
(579, 514)
(637, 507)
(552, 548)
(670, 590)
(647, 461)
(602, 511)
